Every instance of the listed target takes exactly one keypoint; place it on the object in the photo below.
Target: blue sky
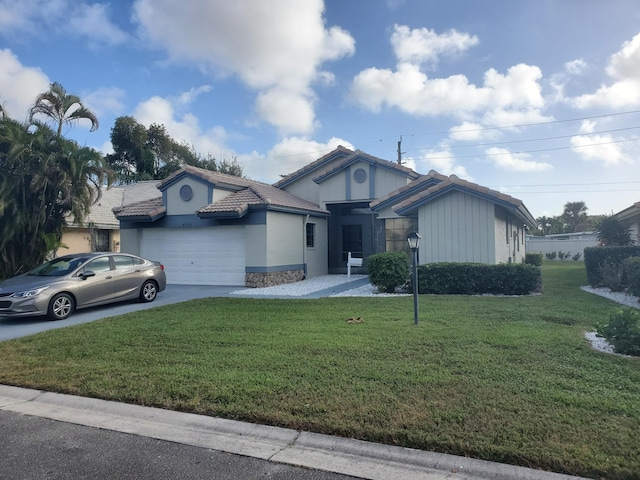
(538, 99)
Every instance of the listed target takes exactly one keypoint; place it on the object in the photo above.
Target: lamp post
(414, 243)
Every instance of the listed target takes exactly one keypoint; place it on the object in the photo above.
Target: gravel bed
(598, 343)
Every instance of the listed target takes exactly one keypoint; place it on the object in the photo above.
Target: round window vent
(186, 193)
(360, 176)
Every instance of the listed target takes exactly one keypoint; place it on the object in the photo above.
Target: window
(100, 240)
(396, 232)
(98, 265)
(311, 235)
(122, 261)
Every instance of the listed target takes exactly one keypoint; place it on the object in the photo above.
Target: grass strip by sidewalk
(508, 379)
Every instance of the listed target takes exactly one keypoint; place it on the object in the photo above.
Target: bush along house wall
(478, 279)
(596, 257)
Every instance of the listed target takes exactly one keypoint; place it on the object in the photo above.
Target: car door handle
(109, 277)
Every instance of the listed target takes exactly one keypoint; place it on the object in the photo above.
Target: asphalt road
(38, 448)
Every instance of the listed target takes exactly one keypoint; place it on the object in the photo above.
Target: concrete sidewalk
(321, 452)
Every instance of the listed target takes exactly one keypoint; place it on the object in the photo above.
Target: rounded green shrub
(388, 270)
(623, 331)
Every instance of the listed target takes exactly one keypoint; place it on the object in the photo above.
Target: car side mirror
(87, 274)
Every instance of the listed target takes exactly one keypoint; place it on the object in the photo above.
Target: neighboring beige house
(630, 217)
(100, 230)
(214, 229)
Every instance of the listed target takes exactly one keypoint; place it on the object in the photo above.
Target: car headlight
(29, 293)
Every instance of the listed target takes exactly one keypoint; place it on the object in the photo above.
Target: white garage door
(199, 256)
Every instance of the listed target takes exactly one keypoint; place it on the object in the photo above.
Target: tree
(611, 232)
(44, 178)
(550, 225)
(575, 216)
(151, 154)
(61, 108)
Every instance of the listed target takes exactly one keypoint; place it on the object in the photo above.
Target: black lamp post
(414, 243)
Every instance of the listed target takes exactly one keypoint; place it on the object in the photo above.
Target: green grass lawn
(504, 379)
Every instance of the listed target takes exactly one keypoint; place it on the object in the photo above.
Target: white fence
(546, 245)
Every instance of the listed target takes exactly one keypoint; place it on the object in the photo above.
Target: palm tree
(575, 215)
(61, 108)
(44, 179)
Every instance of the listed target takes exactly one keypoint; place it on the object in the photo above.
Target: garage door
(199, 256)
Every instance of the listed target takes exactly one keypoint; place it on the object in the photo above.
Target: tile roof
(247, 194)
(338, 152)
(259, 195)
(454, 183)
(147, 210)
(101, 214)
(423, 181)
(359, 155)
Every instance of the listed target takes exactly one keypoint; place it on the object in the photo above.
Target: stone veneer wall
(269, 279)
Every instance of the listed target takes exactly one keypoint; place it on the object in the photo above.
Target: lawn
(503, 379)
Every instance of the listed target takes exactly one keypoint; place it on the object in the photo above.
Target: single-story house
(630, 217)
(100, 230)
(210, 228)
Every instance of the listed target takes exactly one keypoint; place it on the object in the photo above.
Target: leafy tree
(550, 225)
(611, 232)
(151, 154)
(61, 108)
(575, 216)
(43, 179)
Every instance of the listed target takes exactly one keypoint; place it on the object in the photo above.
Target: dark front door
(351, 241)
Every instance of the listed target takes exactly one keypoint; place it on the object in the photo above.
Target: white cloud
(92, 22)
(624, 70)
(588, 126)
(69, 17)
(291, 154)
(575, 67)
(442, 161)
(467, 131)
(189, 97)
(105, 100)
(185, 129)
(19, 85)
(275, 48)
(599, 148)
(420, 46)
(291, 111)
(503, 158)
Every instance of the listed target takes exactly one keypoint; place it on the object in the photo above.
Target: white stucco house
(210, 228)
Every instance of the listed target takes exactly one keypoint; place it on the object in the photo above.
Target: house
(100, 230)
(211, 228)
(630, 217)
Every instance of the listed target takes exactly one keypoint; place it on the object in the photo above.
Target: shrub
(612, 274)
(388, 270)
(632, 275)
(533, 259)
(474, 279)
(623, 331)
(595, 257)
(550, 255)
(563, 256)
(576, 257)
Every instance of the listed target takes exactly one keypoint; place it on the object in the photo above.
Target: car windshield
(57, 267)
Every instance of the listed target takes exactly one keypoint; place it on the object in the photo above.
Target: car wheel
(149, 291)
(61, 306)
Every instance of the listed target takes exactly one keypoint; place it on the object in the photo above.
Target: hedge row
(477, 279)
(595, 258)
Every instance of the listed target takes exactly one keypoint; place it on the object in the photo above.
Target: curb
(357, 458)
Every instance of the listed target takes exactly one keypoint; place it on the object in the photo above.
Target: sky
(537, 99)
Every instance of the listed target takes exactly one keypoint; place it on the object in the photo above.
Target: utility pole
(400, 152)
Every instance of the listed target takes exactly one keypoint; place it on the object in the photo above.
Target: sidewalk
(359, 459)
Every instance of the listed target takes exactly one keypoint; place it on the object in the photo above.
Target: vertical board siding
(457, 228)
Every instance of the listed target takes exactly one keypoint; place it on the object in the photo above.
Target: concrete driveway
(21, 327)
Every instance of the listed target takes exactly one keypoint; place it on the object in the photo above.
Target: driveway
(21, 327)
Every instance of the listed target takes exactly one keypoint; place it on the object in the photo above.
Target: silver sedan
(58, 287)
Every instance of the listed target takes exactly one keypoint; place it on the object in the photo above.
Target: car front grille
(5, 304)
